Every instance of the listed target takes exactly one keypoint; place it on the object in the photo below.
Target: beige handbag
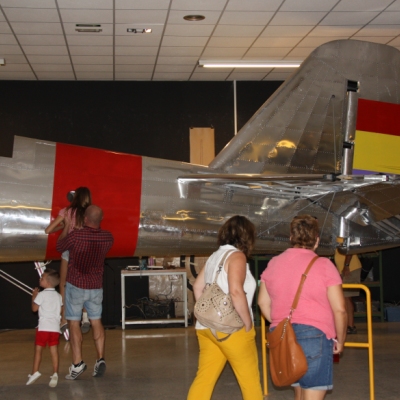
(214, 309)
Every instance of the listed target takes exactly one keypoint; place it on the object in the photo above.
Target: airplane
(323, 144)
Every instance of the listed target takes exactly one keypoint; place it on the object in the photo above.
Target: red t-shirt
(282, 278)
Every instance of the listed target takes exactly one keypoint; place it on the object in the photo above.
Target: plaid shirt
(87, 250)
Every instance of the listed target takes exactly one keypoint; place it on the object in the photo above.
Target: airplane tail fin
(300, 128)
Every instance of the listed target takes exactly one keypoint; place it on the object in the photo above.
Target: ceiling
(39, 41)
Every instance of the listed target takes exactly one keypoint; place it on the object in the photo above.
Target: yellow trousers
(240, 351)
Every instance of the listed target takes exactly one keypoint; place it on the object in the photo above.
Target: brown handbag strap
(300, 288)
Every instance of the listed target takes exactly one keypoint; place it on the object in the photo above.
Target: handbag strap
(222, 262)
(300, 288)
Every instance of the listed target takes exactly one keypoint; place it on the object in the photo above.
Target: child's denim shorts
(319, 353)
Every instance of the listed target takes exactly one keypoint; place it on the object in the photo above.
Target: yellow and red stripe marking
(377, 141)
(115, 181)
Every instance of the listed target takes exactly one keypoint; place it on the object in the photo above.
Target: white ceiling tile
(8, 39)
(286, 31)
(254, 5)
(389, 17)
(308, 5)
(317, 41)
(17, 75)
(91, 50)
(140, 16)
(101, 75)
(268, 52)
(15, 67)
(209, 76)
(246, 76)
(2, 19)
(297, 18)
(178, 60)
(300, 53)
(277, 76)
(32, 15)
(136, 51)
(362, 5)
(246, 18)
(92, 59)
(146, 60)
(176, 17)
(86, 16)
(4, 28)
(6, 49)
(60, 75)
(34, 59)
(184, 41)
(28, 3)
(142, 4)
(395, 6)
(198, 5)
(375, 39)
(133, 75)
(379, 30)
(335, 31)
(41, 40)
(181, 51)
(174, 68)
(395, 42)
(276, 42)
(348, 18)
(188, 30)
(157, 30)
(90, 4)
(15, 59)
(52, 67)
(230, 42)
(234, 31)
(133, 68)
(236, 52)
(71, 29)
(93, 68)
(171, 76)
(46, 50)
(137, 41)
(89, 40)
(37, 28)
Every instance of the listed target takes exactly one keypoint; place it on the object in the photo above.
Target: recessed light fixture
(141, 30)
(2, 62)
(88, 28)
(194, 17)
(248, 64)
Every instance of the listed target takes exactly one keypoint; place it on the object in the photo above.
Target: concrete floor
(160, 363)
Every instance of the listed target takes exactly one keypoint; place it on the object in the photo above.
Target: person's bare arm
(35, 306)
(264, 302)
(55, 225)
(337, 303)
(198, 285)
(64, 233)
(236, 270)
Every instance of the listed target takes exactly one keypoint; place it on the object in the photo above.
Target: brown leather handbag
(286, 357)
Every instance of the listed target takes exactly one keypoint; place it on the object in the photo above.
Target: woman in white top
(237, 236)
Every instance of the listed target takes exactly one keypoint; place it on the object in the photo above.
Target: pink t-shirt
(67, 213)
(282, 278)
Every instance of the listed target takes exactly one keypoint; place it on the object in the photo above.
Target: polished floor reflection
(160, 363)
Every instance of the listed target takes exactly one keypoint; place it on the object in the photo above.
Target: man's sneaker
(99, 368)
(74, 372)
(53, 380)
(85, 327)
(33, 377)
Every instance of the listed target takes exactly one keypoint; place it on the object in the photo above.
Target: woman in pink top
(75, 212)
(320, 319)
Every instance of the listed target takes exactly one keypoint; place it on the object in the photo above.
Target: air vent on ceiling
(88, 28)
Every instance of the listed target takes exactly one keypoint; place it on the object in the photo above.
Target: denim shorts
(319, 353)
(76, 299)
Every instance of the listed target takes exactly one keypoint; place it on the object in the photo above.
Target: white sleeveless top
(211, 268)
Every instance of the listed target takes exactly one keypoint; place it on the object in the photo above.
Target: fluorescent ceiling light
(2, 61)
(248, 64)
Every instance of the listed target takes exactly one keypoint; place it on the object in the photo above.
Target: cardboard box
(392, 314)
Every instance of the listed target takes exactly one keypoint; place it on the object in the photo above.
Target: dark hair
(304, 231)
(82, 199)
(239, 232)
(52, 276)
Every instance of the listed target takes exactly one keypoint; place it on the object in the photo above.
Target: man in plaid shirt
(84, 289)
